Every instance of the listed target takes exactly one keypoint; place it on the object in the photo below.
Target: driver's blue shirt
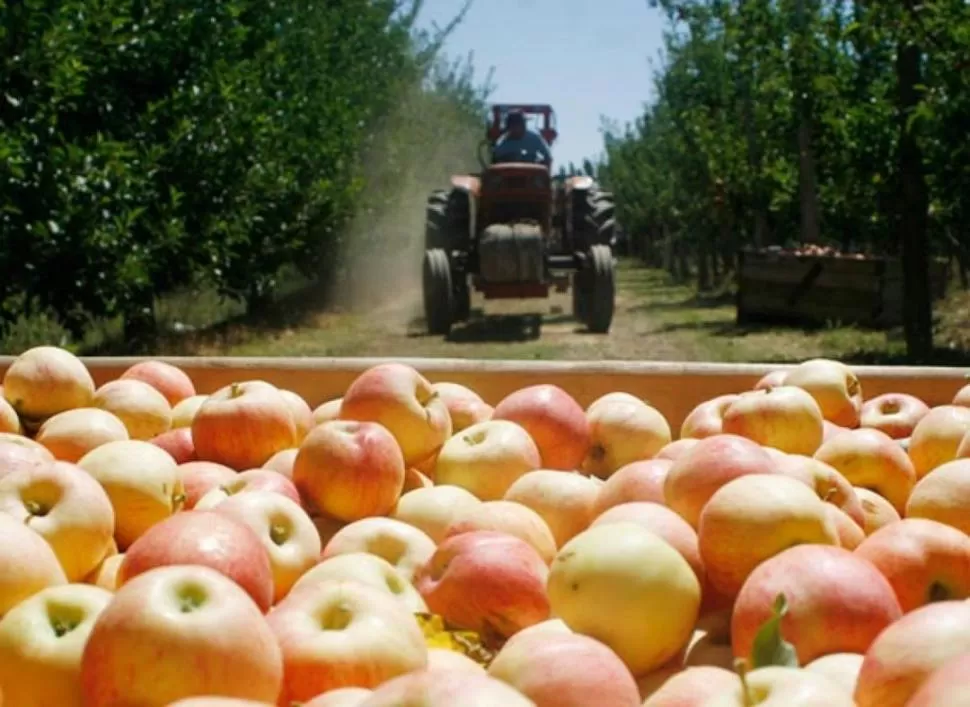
(528, 148)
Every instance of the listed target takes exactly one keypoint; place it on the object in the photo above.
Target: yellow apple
(937, 437)
(624, 430)
(942, 495)
(432, 509)
(834, 386)
(403, 545)
(368, 569)
(144, 411)
(46, 380)
(564, 500)
(71, 434)
(786, 418)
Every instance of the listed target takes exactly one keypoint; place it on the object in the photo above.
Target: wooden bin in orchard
(673, 388)
(777, 286)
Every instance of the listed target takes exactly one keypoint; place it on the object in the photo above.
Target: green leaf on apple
(770, 647)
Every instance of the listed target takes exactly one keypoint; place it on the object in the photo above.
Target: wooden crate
(811, 289)
(673, 388)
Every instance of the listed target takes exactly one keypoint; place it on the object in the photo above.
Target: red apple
(71, 434)
(946, 686)
(198, 478)
(350, 470)
(564, 500)
(177, 632)
(772, 379)
(676, 449)
(507, 517)
(27, 563)
(713, 462)
(282, 462)
(924, 561)
(204, 538)
(837, 602)
(9, 419)
(302, 414)
(639, 481)
(486, 581)
(553, 419)
(242, 425)
(465, 406)
(402, 400)
(877, 511)
(445, 688)
(247, 481)
(18, 452)
(707, 419)
(178, 443)
(169, 380)
(693, 687)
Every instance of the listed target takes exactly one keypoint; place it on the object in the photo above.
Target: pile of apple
(410, 544)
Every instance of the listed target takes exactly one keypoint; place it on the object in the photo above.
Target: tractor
(513, 231)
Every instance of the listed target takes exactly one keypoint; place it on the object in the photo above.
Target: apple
(342, 697)
(772, 379)
(905, 655)
(871, 459)
(834, 386)
(171, 381)
(178, 443)
(343, 634)
(554, 420)
(792, 687)
(184, 412)
(445, 659)
(942, 495)
(946, 686)
(937, 437)
(924, 561)
(896, 414)
(327, 411)
(828, 484)
(662, 522)
(963, 451)
(282, 462)
(676, 449)
(106, 574)
(840, 668)
(962, 396)
(831, 430)
(402, 400)
(565, 501)
(18, 452)
(46, 380)
(850, 532)
(198, 478)
(786, 418)
(507, 517)
(243, 424)
(414, 479)
(403, 545)
(247, 482)
(565, 670)
(41, 642)
(9, 419)
(637, 482)
(692, 687)
(707, 418)
(218, 702)
(710, 643)
(486, 581)
(627, 587)
(487, 458)
(753, 518)
(142, 481)
(714, 461)
(368, 569)
(27, 563)
(71, 434)
(326, 527)
(144, 411)
(302, 414)
(465, 406)
(286, 531)
(432, 509)
(877, 511)
(837, 601)
(175, 632)
(623, 430)
(66, 507)
(205, 538)
(446, 688)
(350, 470)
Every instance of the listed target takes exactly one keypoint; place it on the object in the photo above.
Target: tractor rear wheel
(593, 219)
(600, 289)
(439, 297)
(436, 221)
(579, 295)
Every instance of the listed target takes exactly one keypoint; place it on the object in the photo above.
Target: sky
(587, 58)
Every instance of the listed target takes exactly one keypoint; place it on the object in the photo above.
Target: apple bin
(350, 532)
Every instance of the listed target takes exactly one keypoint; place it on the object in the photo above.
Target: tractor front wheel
(439, 298)
(600, 289)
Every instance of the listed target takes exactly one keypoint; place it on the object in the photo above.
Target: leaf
(770, 648)
(437, 634)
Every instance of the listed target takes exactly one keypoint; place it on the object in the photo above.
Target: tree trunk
(807, 187)
(912, 203)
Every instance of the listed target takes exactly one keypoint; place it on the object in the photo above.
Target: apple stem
(235, 390)
(35, 509)
(277, 533)
(62, 628)
(741, 668)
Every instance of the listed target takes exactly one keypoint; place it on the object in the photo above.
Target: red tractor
(513, 231)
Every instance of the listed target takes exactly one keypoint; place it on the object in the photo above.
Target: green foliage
(770, 648)
(149, 145)
(714, 164)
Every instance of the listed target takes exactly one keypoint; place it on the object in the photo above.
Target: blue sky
(588, 58)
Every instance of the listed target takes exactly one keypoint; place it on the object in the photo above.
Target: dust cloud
(423, 142)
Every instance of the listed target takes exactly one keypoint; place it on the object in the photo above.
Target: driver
(520, 144)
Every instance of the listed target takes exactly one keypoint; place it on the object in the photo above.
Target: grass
(656, 319)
